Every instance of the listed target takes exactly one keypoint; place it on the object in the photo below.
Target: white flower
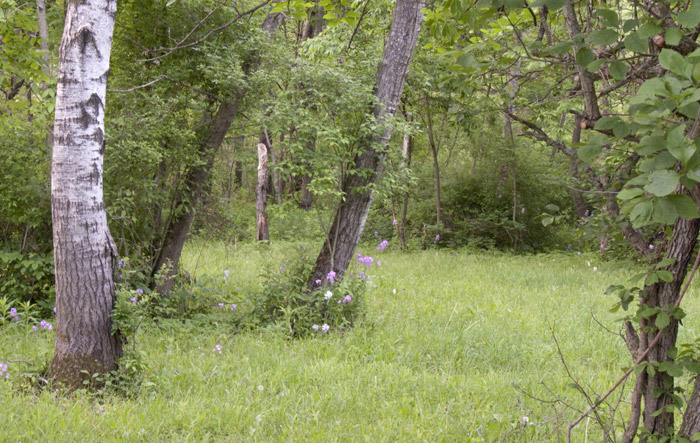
(394, 291)
(328, 295)
(325, 327)
(260, 388)
(314, 327)
(595, 268)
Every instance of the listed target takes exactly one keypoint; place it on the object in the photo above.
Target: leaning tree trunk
(351, 214)
(195, 181)
(84, 253)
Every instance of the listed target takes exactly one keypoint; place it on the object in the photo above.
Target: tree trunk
(264, 139)
(194, 183)
(691, 416)
(351, 214)
(306, 197)
(685, 233)
(436, 170)
(406, 155)
(216, 128)
(261, 195)
(84, 252)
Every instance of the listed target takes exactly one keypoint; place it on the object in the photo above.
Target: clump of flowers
(300, 305)
(13, 314)
(46, 325)
(217, 348)
(383, 245)
(3, 371)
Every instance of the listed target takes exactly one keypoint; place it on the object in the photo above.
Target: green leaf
(664, 212)
(641, 214)
(607, 123)
(596, 64)
(584, 56)
(466, 61)
(649, 30)
(635, 43)
(674, 62)
(591, 149)
(685, 206)
(662, 320)
(673, 36)
(603, 37)
(662, 183)
(690, 18)
(629, 25)
(618, 70)
(552, 207)
(609, 15)
(678, 145)
(561, 48)
(629, 193)
(554, 5)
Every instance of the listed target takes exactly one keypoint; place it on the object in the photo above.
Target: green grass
(446, 358)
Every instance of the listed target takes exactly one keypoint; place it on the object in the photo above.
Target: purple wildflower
(45, 325)
(221, 305)
(383, 245)
(325, 327)
(314, 327)
(121, 263)
(225, 274)
(217, 348)
(347, 299)
(437, 238)
(376, 234)
(133, 299)
(234, 306)
(139, 292)
(331, 276)
(34, 328)
(318, 282)
(379, 262)
(651, 246)
(395, 222)
(13, 314)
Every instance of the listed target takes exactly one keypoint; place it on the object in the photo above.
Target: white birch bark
(84, 252)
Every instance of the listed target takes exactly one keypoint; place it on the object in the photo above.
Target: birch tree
(84, 253)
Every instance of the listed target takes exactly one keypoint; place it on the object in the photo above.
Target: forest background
(557, 125)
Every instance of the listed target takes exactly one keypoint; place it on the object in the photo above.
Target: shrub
(284, 300)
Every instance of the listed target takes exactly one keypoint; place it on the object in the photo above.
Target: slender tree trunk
(691, 416)
(306, 197)
(265, 139)
(436, 170)
(406, 155)
(351, 214)
(84, 252)
(194, 182)
(261, 195)
(216, 128)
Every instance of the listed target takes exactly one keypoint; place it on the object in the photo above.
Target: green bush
(285, 302)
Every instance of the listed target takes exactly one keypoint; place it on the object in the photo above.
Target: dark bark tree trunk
(351, 214)
(215, 128)
(580, 205)
(261, 195)
(194, 184)
(685, 233)
(84, 252)
(691, 416)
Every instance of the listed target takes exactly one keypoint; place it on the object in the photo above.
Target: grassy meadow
(449, 347)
